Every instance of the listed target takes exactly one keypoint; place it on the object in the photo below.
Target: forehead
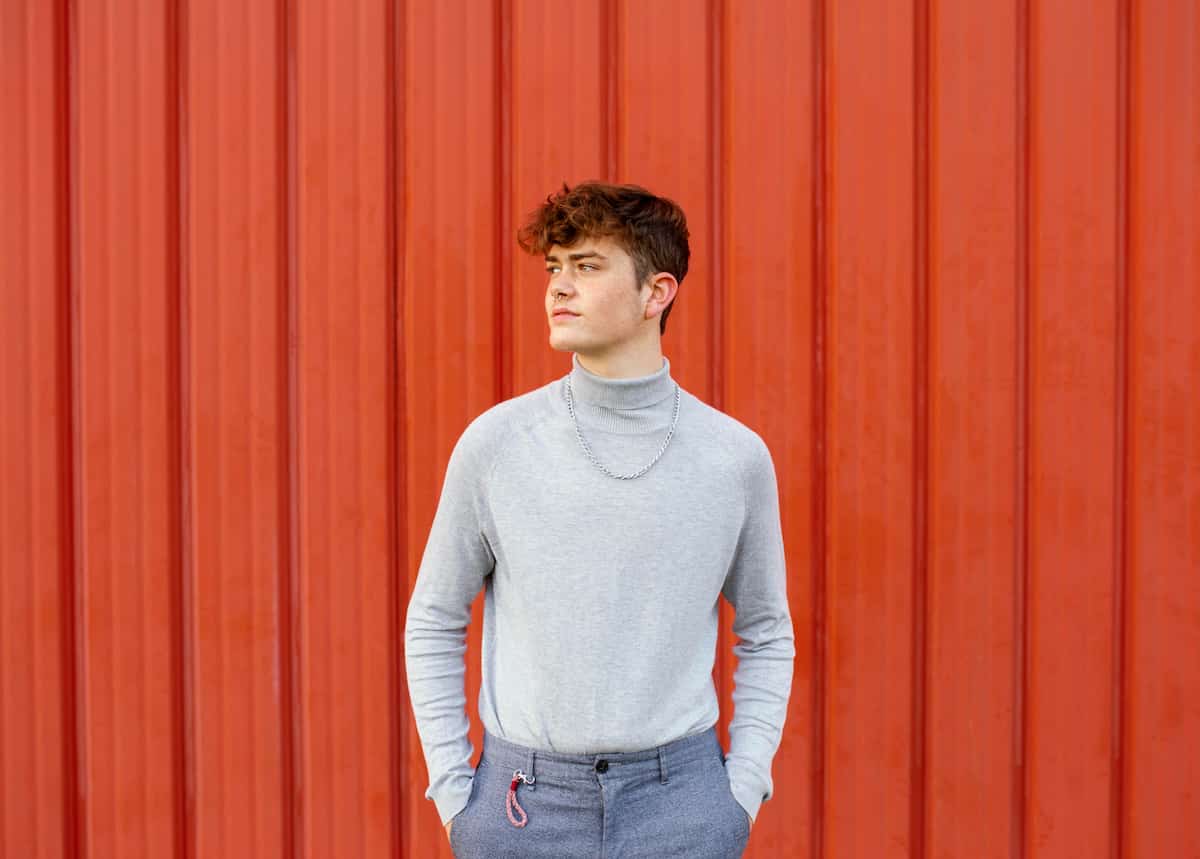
(604, 247)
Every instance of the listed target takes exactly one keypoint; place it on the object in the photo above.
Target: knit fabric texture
(600, 610)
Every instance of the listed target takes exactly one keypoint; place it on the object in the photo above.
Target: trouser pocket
(741, 814)
(460, 820)
(495, 814)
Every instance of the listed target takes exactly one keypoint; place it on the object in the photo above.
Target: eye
(588, 266)
(552, 269)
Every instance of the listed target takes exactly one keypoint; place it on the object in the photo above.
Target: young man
(603, 514)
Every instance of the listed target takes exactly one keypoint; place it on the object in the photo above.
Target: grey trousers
(672, 800)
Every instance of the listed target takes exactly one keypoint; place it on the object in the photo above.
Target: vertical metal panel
(344, 359)
(1074, 180)
(972, 429)
(870, 424)
(560, 76)
(236, 426)
(768, 186)
(665, 141)
(1160, 769)
(257, 273)
(132, 762)
(451, 287)
(38, 805)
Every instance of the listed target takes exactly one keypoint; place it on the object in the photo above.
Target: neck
(634, 361)
(630, 392)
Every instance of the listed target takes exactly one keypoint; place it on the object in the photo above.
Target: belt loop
(529, 785)
(662, 763)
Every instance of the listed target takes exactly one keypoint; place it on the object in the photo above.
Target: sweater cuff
(452, 799)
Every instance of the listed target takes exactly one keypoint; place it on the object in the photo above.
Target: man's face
(595, 279)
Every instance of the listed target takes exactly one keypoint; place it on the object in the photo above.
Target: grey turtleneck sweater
(600, 594)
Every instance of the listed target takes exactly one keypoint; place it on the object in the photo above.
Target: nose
(561, 286)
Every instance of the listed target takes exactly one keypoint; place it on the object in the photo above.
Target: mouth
(564, 314)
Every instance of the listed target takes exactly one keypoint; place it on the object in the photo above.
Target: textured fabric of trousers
(669, 801)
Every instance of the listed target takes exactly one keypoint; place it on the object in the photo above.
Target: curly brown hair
(651, 229)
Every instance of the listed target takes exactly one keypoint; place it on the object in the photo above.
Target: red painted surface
(258, 271)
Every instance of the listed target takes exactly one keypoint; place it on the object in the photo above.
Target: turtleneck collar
(634, 393)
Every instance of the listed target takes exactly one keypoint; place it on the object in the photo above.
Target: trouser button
(601, 766)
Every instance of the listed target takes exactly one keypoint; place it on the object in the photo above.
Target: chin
(561, 344)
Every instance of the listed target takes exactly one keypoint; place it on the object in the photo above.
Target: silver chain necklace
(587, 450)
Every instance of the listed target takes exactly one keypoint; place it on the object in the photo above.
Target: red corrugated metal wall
(259, 272)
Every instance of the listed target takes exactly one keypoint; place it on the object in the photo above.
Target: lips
(565, 313)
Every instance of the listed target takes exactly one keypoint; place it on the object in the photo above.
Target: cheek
(619, 308)
(615, 309)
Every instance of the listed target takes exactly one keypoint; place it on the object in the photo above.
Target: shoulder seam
(743, 477)
(501, 447)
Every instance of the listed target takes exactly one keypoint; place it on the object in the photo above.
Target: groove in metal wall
(820, 445)
(288, 648)
(1021, 483)
(1121, 449)
(396, 398)
(182, 598)
(918, 785)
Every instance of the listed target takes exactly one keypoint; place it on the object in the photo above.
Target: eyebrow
(578, 256)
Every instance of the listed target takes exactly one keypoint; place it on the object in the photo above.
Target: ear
(663, 287)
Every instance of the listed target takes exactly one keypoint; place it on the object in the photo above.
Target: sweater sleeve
(457, 557)
(756, 586)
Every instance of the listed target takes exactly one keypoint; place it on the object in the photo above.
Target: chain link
(587, 450)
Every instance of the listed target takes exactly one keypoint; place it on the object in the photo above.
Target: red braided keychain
(510, 801)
